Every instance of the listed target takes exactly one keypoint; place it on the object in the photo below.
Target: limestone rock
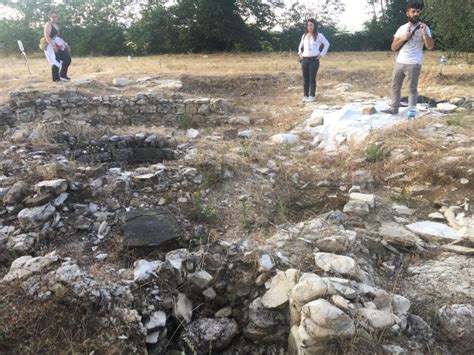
(335, 243)
(16, 193)
(223, 312)
(183, 308)
(176, 258)
(121, 82)
(209, 294)
(144, 270)
(364, 179)
(321, 320)
(338, 264)
(32, 218)
(368, 110)
(445, 107)
(433, 231)
(441, 280)
(286, 138)
(54, 187)
(376, 319)
(265, 263)
(458, 249)
(356, 207)
(201, 279)
(25, 266)
(240, 120)
(457, 321)
(403, 210)
(22, 243)
(157, 320)
(150, 228)
(280, 286)
(309, 288)
(192, 133)
(208, 335)
(398, 235)
(401, 305)
(367, 198)
(265, 325)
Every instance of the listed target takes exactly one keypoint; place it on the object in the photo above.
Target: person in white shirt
(310, 52)
(409, 41)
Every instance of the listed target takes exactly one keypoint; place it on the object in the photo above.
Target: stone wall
(29, 106)
(137, 149)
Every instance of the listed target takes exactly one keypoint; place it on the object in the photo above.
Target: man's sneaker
(305, 99)
(311, 99)
(411, 114)
(391, 111)
(65, 78)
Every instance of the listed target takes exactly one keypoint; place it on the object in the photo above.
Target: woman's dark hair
(315, 32)
(415, 4)
(51, 13)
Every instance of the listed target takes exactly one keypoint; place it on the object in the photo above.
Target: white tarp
(349, 124)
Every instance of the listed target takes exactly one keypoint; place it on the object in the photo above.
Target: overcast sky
(354, 16)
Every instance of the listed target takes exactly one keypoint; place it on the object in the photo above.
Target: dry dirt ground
(267, 89)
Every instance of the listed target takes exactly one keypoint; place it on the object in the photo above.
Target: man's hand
(56, 49)
(423, 28)
(318, 56)
(407, 36)
(301, 56)
(429, 43)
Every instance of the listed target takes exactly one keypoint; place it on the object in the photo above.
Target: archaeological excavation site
(203, 215)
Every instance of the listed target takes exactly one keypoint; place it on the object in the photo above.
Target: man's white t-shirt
(412, 51)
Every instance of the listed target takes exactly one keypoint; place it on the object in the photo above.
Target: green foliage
(245, 213)
(375, 153)
(280, 212)
(109, 27)
(245, 149)
(199, 211)
(12, 31)
(184, 121)
(453, 23)
(458, 119)
(403, 197)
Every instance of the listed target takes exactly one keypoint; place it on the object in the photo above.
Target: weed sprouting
(375, 153)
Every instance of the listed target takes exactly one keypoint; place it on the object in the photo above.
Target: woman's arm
(300, 45)
(47, 31)
(325, 43)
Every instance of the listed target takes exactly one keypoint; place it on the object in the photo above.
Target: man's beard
(414, 19)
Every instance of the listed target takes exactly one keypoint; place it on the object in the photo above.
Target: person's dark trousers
(310, 67)
(66, 61)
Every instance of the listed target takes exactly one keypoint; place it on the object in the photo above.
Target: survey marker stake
(22, 49)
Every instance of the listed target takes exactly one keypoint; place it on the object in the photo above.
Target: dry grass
(30, 326)
(357, 68)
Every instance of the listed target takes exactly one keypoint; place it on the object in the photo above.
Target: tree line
(143, 27)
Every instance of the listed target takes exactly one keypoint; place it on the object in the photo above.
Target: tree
(452, 24)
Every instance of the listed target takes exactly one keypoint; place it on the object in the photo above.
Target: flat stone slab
(150, 228)
(458, 249)
(433, 231)
(398, 235)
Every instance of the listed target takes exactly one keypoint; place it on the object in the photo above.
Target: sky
(355, 14)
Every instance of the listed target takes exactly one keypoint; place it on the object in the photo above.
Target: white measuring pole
(22, 49)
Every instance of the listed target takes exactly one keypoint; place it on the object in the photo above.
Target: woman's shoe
(311, 99)
(305, 99)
